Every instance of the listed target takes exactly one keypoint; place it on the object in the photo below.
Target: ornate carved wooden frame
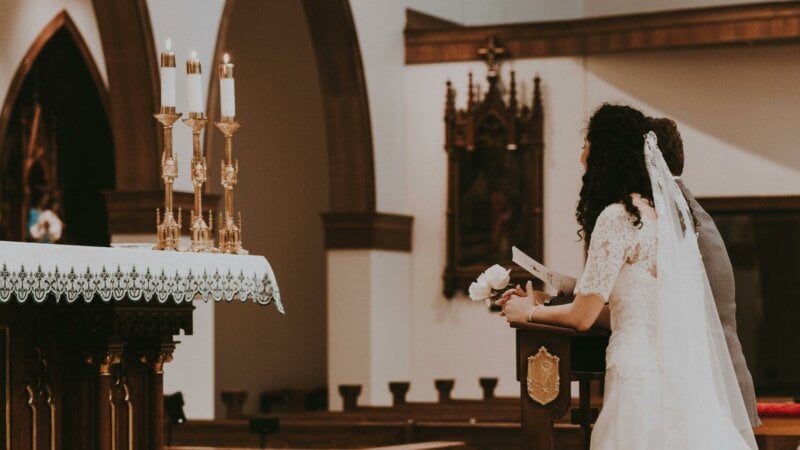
(524, 136)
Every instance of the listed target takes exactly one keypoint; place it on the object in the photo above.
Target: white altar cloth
(68, 272)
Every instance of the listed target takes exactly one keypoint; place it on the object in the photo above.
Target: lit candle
(167, 69)
(226, 88)
(194, 85)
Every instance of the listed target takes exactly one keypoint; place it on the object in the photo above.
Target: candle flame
(193, 55)
(169, 44)
(226, 58)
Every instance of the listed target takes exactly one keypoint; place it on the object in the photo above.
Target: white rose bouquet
(490, 284)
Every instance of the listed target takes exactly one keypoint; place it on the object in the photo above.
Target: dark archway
(56, 147)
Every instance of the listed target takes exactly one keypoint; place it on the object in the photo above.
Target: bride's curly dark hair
(615, 167)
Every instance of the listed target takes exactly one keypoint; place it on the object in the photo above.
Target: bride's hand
(508, 293)
(517, 309)
(535, 297)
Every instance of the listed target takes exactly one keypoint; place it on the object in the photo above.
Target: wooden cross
(491, 53)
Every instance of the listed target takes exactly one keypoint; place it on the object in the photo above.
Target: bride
(669, 379)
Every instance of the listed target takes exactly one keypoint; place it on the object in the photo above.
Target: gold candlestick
(168, 229)
(201, 232)
(230, 235)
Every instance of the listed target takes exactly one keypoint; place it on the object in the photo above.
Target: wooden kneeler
(548, 359)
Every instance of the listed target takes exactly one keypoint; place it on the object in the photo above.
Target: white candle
(167, 70)
(227, 94)
(194, 84)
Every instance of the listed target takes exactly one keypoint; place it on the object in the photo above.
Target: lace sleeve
(611, 237)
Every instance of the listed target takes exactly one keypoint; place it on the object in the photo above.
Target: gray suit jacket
(720, 277)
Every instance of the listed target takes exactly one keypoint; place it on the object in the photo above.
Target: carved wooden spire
(470, 94)
(512, 93)
(537, 98)
(450, 102)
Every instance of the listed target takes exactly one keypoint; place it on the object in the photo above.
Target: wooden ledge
(753, 204)
(428, 40)
(553, 329)
(367, 230)
(134, 212)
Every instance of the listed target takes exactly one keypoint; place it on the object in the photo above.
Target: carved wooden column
(40, 401)
(104, 360)
(155, 361)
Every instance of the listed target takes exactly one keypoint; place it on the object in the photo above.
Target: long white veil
(703, 406)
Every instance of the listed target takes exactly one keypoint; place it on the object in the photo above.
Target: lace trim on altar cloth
(108, 285)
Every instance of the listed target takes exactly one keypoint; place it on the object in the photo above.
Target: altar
(85, 333)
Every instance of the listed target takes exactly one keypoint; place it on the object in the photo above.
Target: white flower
(480, 289)
(48, 226)
(497, 277)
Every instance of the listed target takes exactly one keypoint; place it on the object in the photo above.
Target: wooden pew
(488, 409)
(490, 423)
(419, 446)
(335, 432)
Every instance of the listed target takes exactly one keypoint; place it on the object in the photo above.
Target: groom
(717, 263)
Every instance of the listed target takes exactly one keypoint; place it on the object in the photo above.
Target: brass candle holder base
(230, 234)
(168, 230)
(202, 240)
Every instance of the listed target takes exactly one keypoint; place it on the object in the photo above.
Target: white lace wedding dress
(641, 409)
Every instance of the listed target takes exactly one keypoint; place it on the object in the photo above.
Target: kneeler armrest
(554, 329)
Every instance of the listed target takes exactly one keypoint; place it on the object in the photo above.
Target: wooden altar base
(86, 375)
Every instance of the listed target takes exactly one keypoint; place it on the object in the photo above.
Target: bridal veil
(702, 403)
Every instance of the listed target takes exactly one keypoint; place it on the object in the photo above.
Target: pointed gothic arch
(56, 143)
(62, 21)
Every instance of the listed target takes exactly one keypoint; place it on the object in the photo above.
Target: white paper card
(562, 283)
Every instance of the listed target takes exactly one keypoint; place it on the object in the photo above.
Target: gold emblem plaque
(543, 378)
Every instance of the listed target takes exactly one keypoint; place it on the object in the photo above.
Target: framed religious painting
(494, 180)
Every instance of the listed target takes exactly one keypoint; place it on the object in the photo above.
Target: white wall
(485, 12)
(735, 107)
(613, 7)
(369, 341)
(21, 21)
(192, 25)
(737, 111)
